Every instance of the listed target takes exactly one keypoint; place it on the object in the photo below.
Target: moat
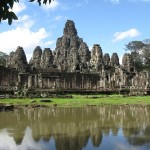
(86, 128)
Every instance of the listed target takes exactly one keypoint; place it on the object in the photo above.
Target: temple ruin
(72, 67)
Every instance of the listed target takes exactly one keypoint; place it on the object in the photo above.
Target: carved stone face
(70, 28)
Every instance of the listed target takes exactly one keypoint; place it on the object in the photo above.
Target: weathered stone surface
(72, 54)
(115, 59)
(72, 67)
(47, 59)
(140, 83)
(127, 62)
(70, 29)
(36, 59)
(96, 58)
(18, 60)
(10, 60)
(85, 56)
(106, 59)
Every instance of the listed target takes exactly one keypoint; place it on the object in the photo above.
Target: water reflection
(107, 127)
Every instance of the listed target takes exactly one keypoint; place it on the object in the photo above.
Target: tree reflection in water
(107, 127)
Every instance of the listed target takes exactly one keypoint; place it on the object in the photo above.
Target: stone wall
(140, 83)
(78, 81)
(60, 81)
(8, 78)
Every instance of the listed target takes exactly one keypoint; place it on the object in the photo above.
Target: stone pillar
(19, 78)
(147, 75)
(48, 84)
(122, 79)
(115, 81)
(104, 83)
(40, 81)
(57, 83)
(64, 83)
(35, 81)
(82, 82)
(90, 85)
(109, 80)
(29, 82)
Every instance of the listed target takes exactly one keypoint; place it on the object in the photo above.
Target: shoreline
(74, 101)
(7, 108)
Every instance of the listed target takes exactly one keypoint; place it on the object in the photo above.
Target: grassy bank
(82, 100)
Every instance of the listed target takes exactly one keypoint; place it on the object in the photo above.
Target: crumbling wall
(79, 81)
(72, 66)
(140, 83)
(8, 78)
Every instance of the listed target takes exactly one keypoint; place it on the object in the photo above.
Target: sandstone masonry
(72, 67)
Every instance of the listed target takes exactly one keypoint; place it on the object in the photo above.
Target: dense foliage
(6, 7)
(140, 52)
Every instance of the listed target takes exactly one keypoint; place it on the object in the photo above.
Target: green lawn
(83, 100)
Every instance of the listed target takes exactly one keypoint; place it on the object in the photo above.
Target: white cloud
(20, 36)
(120, 59)
(90, 48)
(23, 36)
(19, 7)
(118, 36)
(8, 142)
(52, 6)
(24, 21)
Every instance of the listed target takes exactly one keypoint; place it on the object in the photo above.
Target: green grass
(82, 100)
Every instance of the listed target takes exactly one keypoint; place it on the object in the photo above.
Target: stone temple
(72, 67)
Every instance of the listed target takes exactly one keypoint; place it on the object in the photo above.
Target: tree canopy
(135, 46)
(140, 52)
(6, 7)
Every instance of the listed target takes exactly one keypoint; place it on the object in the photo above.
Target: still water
(88, 128)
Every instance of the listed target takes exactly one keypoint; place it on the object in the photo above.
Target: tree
(146, 56)
(6, 9)
(140, 52)
(135, 46)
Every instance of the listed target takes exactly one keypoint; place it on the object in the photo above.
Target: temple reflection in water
(76, 128)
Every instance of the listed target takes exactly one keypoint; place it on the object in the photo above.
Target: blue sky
(110, 23)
